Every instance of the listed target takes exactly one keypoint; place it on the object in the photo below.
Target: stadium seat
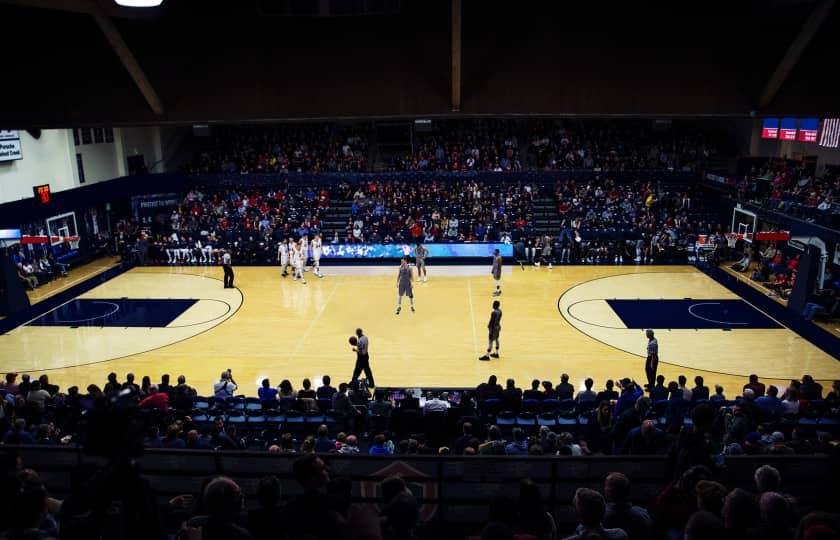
(549, 405)
(532, 405)
(324, 404)
(506, 419)
(236, 417)
(526, 419)
(547, 419)
(294, 417)
(315, 417)
(253, 404)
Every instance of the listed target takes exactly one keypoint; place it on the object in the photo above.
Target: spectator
(659, 391)
(710, 496)
(534, 392)
(683, 385)
(401, 516)
(737, 426)
(587, 395)
(323, 443)
(381, 446)
(267, 394)
(434, 404)
(756, 386)
(767, 478)
(704, 526)
(718, 396)
(226, 386)
(37, 396)
(699, 392)
(325, 391)
(740, 513)
(533, 519)
(770, 404)
(350, 446)
(776, 517)
(777, 445)
(519, 445)
(511, 396)
(591, 507)
(621, 513)
(314, 512)
(810, 389)
(630, 392)
(222, 500)
(565, 390)
(155, 399)
(264, 521)
(645, 440)
(608, 394)
(495, 444)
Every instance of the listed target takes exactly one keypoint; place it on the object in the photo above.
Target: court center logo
(422, 485)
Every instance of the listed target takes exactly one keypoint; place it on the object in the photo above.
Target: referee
(652, 362)
(362, 359)
(226, 266)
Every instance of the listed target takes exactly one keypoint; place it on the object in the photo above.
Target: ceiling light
(139, 3)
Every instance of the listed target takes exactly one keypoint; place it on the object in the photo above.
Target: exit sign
(42, 193)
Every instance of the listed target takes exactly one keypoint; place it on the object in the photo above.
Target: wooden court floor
(278, 328)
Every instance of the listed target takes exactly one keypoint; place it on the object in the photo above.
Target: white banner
(9, 135)
(10, 150)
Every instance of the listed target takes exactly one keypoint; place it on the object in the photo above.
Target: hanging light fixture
(139, 3)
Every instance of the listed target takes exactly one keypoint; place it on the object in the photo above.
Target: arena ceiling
(79, 62)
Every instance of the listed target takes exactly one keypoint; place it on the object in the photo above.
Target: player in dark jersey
(494, 328)
(496, 271)
(420, 254)
(404, 279)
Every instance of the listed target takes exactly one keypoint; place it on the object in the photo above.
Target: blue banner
(395, 251)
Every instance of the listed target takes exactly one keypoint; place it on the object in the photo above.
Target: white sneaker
(550, 266)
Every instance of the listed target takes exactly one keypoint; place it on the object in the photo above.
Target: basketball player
(315, 249)
(652, 362)
(283, 257)
(404, 279)
(298, 260)
(494, 327)
(362, 358)
(496, 271)
(228, 269)
(420, 254)
(304, 251)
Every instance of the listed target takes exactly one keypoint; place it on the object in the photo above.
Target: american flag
(830, 135)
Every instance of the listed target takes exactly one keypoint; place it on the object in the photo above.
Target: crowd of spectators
(620, 418)
(476, 145)
(615, 147)
(284, 148)
(440, 211)
(792, 187)
(249, 222)
(37, 266)
(617, 419)
(607, 221)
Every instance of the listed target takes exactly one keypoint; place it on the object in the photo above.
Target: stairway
(335, 220)
(546, 218)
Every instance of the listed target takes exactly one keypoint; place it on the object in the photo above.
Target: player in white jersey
(304, 250)
(207, 250)
(283, 257)
(315, 249)
(298, 261)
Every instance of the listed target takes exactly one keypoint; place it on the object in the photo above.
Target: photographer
(226, 386)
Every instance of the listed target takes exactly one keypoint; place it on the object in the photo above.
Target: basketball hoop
(73, 241)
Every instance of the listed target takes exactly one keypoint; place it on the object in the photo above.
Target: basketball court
(581, 320)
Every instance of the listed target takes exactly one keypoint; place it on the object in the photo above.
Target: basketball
(353, 341)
